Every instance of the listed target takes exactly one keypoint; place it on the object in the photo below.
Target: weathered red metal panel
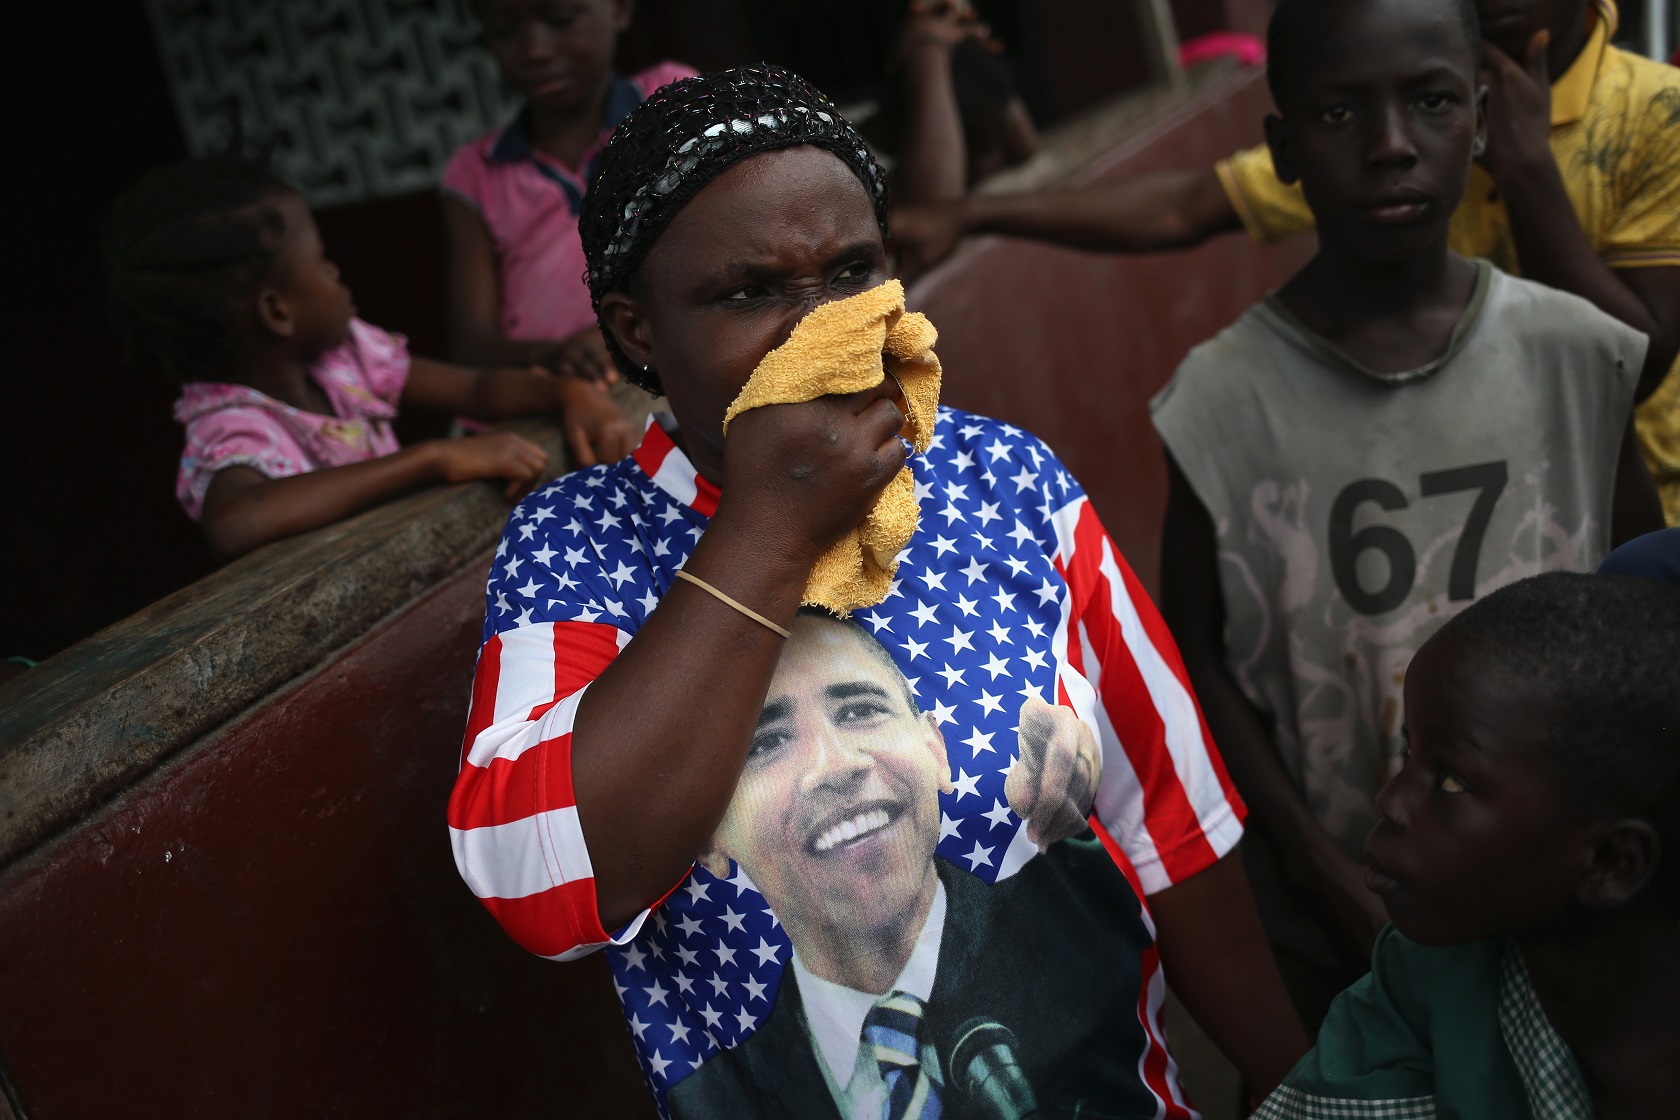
(273, 926)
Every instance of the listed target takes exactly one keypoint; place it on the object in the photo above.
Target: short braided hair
(180, 248)
(1602, 655)
(680, 139)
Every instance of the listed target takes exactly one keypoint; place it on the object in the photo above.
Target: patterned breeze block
(363, 98)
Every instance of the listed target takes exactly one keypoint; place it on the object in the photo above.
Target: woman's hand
(493, 455)
(801, 476)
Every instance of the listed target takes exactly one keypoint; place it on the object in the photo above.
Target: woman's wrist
(743, 574)
(740, 535)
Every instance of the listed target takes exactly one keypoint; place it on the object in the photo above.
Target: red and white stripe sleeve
(513, 820)
(1165, 795)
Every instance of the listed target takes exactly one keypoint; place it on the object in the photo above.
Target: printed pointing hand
(1055, 781)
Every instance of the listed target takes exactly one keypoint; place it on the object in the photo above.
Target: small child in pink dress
(218, 278)
(511, 198)
(232, 425)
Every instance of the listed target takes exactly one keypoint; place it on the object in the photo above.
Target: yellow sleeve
(1270, 210)
(1658, 424)
(1643, 228)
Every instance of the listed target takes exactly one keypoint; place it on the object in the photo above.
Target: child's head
(210, 260)
(1542, 784)
(1380, 116)
(554, 53)
(751, 200)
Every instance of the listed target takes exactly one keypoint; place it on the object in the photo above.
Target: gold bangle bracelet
(742, 607)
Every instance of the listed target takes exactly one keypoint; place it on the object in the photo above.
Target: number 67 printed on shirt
(1346, 545)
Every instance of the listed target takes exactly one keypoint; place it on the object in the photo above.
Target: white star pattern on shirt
(998, 814)
(967, 785)
(976, 599)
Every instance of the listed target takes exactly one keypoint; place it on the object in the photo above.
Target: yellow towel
(846, 347)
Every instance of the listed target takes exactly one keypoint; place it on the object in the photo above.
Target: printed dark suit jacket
(1053, 953)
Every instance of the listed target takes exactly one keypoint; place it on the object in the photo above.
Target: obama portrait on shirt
(918, 989)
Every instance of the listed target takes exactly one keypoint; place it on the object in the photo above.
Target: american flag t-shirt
(1010, 589)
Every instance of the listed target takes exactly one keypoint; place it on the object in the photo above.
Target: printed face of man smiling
(836, 815)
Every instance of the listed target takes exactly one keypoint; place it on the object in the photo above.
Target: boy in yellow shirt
(1579, 188)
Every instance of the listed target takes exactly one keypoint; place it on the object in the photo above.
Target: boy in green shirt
(1523, 852)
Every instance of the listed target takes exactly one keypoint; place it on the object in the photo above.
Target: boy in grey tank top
(1393, 433)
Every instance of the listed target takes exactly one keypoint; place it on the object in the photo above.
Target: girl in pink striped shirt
(511, 197)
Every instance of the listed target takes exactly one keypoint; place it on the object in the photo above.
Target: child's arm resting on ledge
(244, 509)
(483, 394)
(596, 431)
(1140, 214)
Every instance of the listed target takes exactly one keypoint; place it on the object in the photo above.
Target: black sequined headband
(682, 138)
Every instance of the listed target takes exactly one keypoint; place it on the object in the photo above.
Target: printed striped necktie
(892, 1030)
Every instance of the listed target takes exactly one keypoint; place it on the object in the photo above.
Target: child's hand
(494, 455)
(1519, 114)
(597, 431)
(943, 23)
(582, 354)
(1054, 783)
(922, 236)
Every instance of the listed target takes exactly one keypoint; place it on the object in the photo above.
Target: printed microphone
(985, 1067)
